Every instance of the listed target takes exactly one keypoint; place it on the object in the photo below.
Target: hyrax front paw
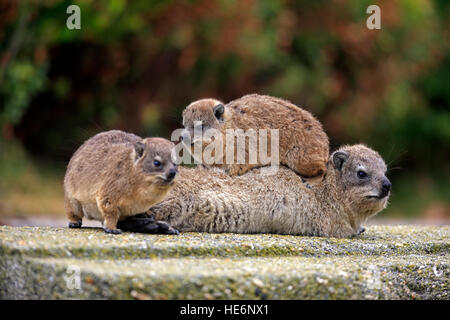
(142, 223)
(137, 223)
(145, 223)
(361, 230)
(165, 228)
(75, 224)
(112, 231)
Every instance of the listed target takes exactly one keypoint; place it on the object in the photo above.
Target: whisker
(395, 168)
(398, 158)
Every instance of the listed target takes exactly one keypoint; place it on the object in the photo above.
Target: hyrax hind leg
(74, 212)
(110, 214)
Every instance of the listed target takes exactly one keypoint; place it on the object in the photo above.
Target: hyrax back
(303, 144)
(117, 174)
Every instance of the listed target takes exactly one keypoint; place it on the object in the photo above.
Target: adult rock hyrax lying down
(114, 175)
(303, 144)
(354, 188)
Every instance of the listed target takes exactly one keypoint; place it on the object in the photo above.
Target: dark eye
(361, 174)
(156, 163)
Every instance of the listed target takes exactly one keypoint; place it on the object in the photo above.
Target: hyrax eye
(157, 163)
(361, 174)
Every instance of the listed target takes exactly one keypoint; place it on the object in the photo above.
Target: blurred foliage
(27, 187)
(134, 65)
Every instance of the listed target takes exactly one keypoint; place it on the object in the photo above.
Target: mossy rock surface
(386, 262)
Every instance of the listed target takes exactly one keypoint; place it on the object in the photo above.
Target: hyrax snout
(302, 143)
(116, 174)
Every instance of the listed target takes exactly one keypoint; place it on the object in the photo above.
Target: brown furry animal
(303, 145)
(354, 188)
(116, 174)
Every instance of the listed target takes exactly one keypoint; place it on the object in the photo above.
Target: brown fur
(303, 144)
(113, 176)
(209, 200)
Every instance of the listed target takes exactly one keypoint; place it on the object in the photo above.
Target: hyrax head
(360, 173)
(153, 159)
(202, 115)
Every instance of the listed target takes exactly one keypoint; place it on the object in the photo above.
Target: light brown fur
(303, 144)
(113, 176)
(209, 200)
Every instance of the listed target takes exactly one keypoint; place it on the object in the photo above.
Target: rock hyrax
(116, 174)
(354, 188)
(303, 144)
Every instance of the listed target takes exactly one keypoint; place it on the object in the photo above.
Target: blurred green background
(135, 65)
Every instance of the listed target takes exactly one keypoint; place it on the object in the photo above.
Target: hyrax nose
(171, 174)
(386, 186)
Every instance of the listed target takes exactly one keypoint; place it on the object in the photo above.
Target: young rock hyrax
(116, 174)
(354, 188)
(303, 144)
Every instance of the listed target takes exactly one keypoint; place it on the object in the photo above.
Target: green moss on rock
(94, 243)
(387, 262)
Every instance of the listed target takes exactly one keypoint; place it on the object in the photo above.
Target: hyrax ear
(218, 111)
(339, 157)
(139, 149)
